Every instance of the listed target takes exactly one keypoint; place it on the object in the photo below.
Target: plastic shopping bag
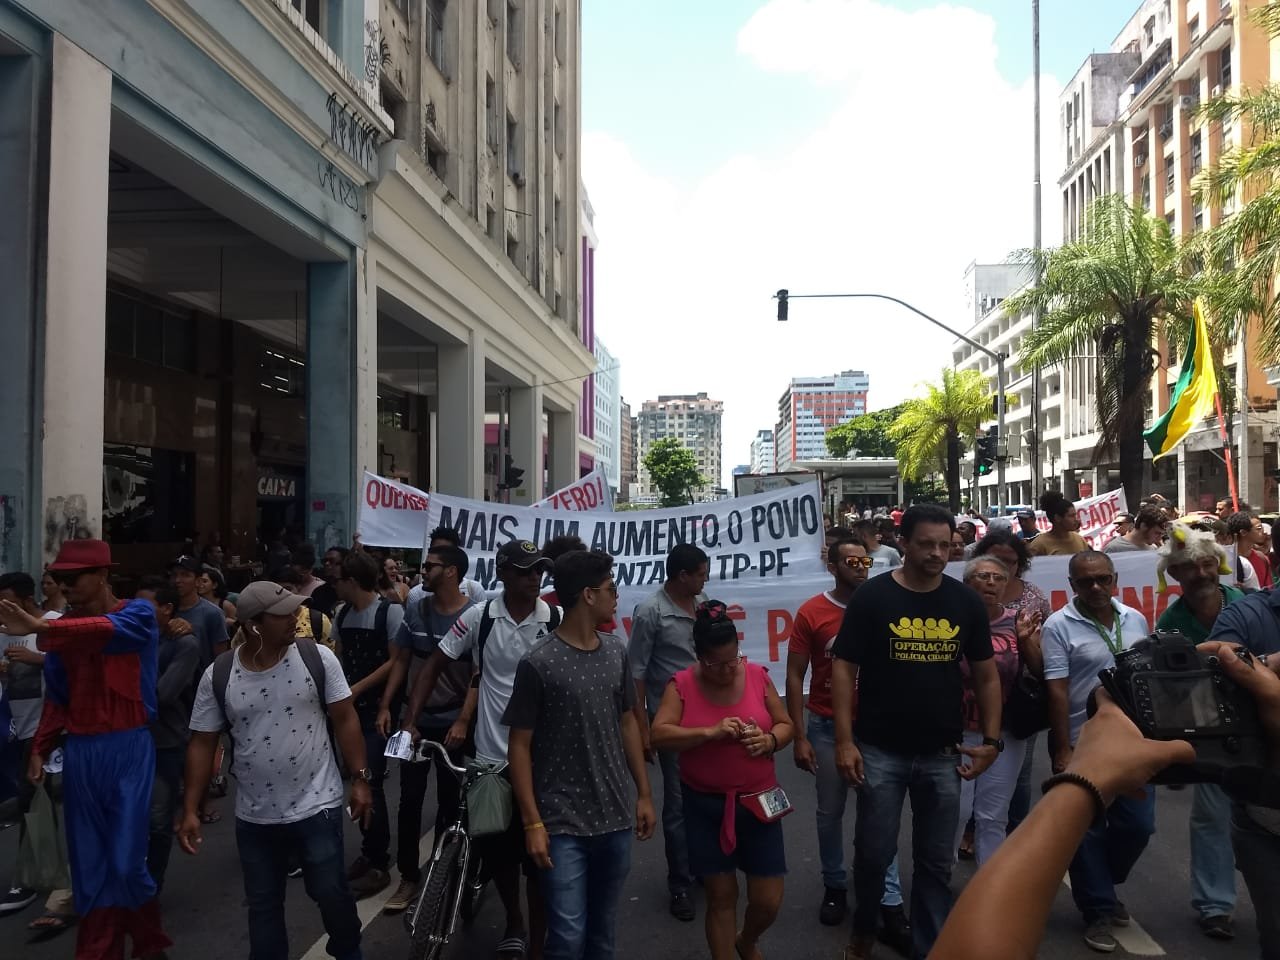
(42, 850)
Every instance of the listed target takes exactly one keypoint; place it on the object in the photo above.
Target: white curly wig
(1186, 545)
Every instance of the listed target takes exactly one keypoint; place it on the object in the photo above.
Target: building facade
(627, 478)
(1130, 127)
(608, 417)
(692, 419)
(762, 453)
(810, 407)
(263, 246)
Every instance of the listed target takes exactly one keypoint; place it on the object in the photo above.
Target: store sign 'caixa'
(274, 486)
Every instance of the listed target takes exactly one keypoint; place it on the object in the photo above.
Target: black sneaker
(1218, 927)
(682, 907)
(835, 905)
(18, 898)
(895, 930)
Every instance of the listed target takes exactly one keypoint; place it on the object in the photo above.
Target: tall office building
(810, 407)
(762, 453)
(608, 415)
(694, 420)
(626, 450)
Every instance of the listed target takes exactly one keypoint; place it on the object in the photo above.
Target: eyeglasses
(864, 562)
(724, 664)
(611, 588)
(989, 576)
(1085, 583)
(430, 564)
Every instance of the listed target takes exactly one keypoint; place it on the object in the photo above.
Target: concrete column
(526, 432)
(562, 453)
(460, 418)
(75, 287)
(19, 431)
(331, 403)
(366, 363)
(1184, 490)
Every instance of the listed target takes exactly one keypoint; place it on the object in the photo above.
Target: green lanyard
(1114, 644)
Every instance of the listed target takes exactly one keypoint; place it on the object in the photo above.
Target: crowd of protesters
(937, 688)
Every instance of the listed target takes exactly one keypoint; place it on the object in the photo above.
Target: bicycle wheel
(473, 889)
(430, 922)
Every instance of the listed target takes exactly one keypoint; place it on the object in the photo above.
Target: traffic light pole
(784, 296)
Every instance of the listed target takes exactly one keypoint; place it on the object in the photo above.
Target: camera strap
(1114, 644)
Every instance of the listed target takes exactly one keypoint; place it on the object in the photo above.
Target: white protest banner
(392, 514)
(767, 537)
(591, 492)
(1097, 517)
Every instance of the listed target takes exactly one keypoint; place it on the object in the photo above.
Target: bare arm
(986, 689)
(395, 677)
(844, 680)
(641, 714)
(520, 761)
(423, 687)
(350, 740)
(1059, 723)
(797, 667)
(199, 771)
(669, 735)
(634, 751)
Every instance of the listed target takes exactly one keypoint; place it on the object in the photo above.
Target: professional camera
(1172, 691)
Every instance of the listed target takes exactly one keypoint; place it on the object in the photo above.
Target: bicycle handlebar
(424, 748)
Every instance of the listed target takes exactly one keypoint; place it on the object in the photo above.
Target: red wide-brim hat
(82, 555)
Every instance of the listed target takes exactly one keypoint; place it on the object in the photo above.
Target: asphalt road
(203, 903)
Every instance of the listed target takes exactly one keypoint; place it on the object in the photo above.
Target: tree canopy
(864, 436)
(674, 471)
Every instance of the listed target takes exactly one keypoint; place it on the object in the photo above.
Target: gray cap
(266, 597)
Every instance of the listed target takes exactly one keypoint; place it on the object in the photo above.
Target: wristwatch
(993, 742)
(366, 775)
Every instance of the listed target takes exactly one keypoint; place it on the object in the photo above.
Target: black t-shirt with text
(908, 646)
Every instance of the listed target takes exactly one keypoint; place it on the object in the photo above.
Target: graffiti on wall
(65, 518)
(377, 52)
(348, 131)
(340, 187)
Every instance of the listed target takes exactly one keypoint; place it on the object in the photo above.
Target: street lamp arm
(902, 303)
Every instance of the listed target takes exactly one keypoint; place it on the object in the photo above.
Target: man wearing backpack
(272, 695)
(363, 629)
(426, 622)
(496, 635)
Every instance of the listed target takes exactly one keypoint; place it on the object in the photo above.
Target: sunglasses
(864, 562)
(431, 564)
(66, 578)
(1085, 583)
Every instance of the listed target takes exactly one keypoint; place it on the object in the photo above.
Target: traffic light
(511, 475)
(782, 304)
(985, 450)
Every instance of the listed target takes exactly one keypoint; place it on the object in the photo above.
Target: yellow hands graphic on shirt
(924, 640)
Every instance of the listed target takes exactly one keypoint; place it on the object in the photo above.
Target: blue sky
(733, 147)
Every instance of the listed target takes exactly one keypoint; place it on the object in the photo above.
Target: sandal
(512, 948)
(49, 925)
(210, 816)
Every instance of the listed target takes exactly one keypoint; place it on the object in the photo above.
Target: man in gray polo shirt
(661, 645)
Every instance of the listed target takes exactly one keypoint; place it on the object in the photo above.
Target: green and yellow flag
(1193, 394)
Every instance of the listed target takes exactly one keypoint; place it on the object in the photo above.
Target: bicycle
(455, 880)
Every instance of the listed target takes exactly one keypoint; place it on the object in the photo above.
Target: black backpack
(486, 628)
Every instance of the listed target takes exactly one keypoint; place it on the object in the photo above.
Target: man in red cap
(100, 682)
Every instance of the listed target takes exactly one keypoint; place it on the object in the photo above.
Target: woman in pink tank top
(726, 720)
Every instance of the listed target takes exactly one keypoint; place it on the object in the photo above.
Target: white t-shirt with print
(26, 712)
(283, 763)
(506, 645)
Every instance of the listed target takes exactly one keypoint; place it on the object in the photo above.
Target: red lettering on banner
(780, 622)
(579, 500)
(1058, 599)
(378, 494)
(371, 494)
(737, 614)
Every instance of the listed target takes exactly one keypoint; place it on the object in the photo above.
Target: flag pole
(1226, 455)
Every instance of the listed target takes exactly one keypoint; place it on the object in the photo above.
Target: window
(513, 33)
(151, 333)
(559, 225)
(1170, 178)
(1146, 191)
(1197, 218)
(513, 252)
(491, 114)
(1224, 68)
(558, 128)
(436, 158)
(490, 222)
(1169, 219)
(558, 40)
(513, 151)
(435, 32)
(1193, 29)
(1197, 153)
(310, 10)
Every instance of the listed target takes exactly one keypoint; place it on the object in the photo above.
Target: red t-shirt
(817, 622)
(1263, 568)
(551, 598)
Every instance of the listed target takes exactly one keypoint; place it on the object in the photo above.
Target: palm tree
(930, 430)
(1105, 293)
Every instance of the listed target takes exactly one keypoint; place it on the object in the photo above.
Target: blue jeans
(1107, 854)
(833, 792)
(1258, 854)
(678, 878)
(1213, 865)
(581, 892)
(1020, 804)
(934, 786)
(316, 845)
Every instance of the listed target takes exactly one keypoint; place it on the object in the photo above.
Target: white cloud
(922, 167)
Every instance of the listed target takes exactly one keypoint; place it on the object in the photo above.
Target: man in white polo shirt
(1078, 641)
(496, 635)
